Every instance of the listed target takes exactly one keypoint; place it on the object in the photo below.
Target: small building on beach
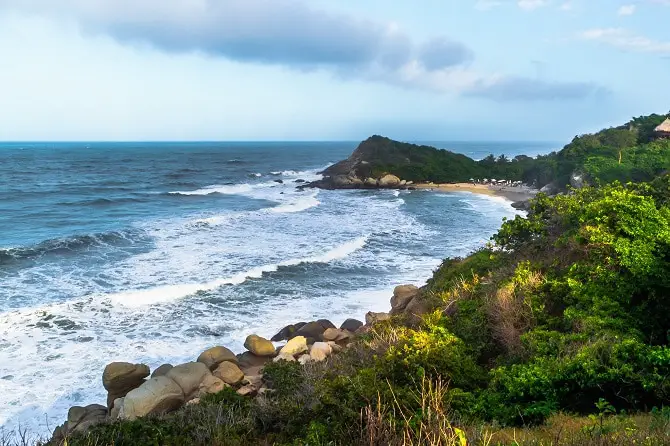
(663, 130)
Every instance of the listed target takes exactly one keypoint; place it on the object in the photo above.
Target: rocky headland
(382, 163)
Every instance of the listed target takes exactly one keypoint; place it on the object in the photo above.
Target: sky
(258, 70)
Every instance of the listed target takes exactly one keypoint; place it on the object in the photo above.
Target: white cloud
(626, 40)
(293, 34)
(626, 10)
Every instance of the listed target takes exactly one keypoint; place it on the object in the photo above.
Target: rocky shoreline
(133, 391)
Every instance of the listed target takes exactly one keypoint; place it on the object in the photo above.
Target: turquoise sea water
(151, 252)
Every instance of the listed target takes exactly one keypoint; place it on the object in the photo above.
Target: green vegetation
(625, 153)
(565, 313)
(557, 333)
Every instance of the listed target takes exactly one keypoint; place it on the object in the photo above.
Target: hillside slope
(624, 153)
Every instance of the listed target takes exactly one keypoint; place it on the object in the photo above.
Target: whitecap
(167, 293)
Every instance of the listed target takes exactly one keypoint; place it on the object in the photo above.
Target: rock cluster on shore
(132, 392)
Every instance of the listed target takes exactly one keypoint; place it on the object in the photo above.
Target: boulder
(409, 183)
(210, 384)
(216, 355)
(120, 377)
(161, 370)
(351, 325)
(326, 324)
(295, 346)
(79, 419)
(334, 334)
(372, 318)
(312, 331)
(156, 396)
(247, 390)
(251, 364)
(389, 181)
(259, 346)
(371, 182)
(403, 182)
(320, 351)
(416, 308)
(287, 332)
(402, 295)
(523, 205)
(116, 407)
(251, 385)
(193, 402)
(229, 373)
(189, 376)
(283, 357)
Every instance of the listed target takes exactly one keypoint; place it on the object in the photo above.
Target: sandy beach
(511, 193)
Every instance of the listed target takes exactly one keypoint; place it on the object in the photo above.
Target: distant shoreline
(510, 193)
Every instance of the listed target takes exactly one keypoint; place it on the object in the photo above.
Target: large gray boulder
(402, 295)
(156, 396)
(79, 419)
(188, 377)
(312, 331)
(214, 356)
(161, 370)
(119, 378)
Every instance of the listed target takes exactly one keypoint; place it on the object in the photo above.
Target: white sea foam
(146, 307)
(139, 298)
(231, 189)
(299, 205)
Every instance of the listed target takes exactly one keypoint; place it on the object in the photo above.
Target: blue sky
(329, 69)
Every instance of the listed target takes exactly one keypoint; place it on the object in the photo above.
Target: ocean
(152, 252)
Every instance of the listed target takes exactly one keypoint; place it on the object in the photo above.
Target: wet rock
(312, 331)
(351, 325)
(287, 332)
